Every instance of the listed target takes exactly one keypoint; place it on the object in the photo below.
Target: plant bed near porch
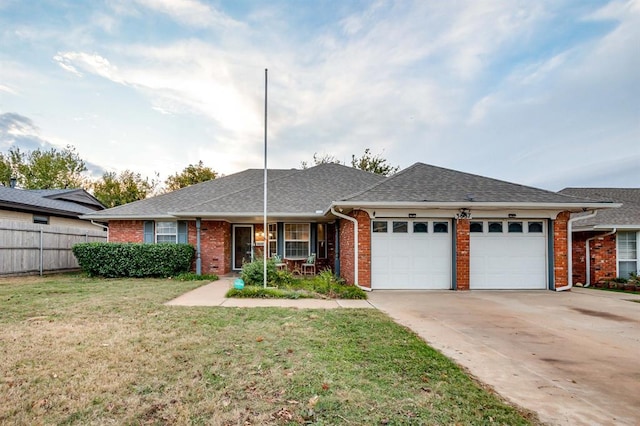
(283, 285)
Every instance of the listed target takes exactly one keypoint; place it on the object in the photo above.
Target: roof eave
(92, 216)
(573, 207)
(235, 215)
(606, 227)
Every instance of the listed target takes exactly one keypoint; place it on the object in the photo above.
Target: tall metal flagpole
(264, 228)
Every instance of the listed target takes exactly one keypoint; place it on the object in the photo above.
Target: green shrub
(114, 260)
(253, 273)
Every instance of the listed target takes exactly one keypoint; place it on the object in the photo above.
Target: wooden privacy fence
(26, 248)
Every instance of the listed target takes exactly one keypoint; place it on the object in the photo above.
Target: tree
(114, 190)
(317, 159)
(8, 166)
(40, 169)
(373, 163)
(368, 162)
(190, 175)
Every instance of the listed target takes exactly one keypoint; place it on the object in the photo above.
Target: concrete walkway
(213, 294)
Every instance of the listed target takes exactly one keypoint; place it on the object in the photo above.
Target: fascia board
(578, 207)
(127, 217)
(204, 215)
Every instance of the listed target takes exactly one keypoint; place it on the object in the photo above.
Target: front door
(242, 245)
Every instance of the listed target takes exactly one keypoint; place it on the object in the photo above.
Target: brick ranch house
(425, 227)
(605, 246)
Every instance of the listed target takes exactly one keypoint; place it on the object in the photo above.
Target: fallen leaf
(259, 339)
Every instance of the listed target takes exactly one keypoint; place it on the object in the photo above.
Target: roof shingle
(627, 214)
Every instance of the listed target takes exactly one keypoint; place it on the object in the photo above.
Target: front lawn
(79, 350)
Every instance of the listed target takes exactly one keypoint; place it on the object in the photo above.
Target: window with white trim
(273, 239)
(166, 232)
(627, 253)
(296, 240)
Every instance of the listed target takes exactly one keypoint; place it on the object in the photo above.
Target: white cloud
(91, 63)
(7, 89)
(190, 12)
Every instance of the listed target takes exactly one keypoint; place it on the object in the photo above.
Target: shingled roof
(49, 201)
(290, 192)
(625, 217)
(424, 183)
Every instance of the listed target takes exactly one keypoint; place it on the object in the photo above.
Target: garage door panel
(508, 260)
(410, 260)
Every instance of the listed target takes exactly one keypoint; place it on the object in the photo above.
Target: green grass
(77, 350)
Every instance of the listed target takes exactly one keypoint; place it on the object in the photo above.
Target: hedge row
(133, 260)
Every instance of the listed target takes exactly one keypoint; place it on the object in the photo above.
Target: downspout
(105, 227)
(588, 258)
(355, 244)
(570, 249)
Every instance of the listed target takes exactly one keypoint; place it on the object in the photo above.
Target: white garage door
(410, 254)
(508, 254)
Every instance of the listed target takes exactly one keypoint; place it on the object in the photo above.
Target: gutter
(478, 204)
(570, 249)
(355, 244)
(588, 257)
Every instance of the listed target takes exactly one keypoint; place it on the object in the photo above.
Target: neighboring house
(605, 246)
(56, 207)
(38, 229)
(423, 228)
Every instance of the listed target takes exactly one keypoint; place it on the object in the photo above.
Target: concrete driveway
(572, 357)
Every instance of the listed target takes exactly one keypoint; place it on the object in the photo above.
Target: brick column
(462, 254)
(347, 255)
(560, 249)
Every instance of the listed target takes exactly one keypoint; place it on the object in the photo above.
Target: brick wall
(560, 252)
(602, 254)
(215, 241)
(578, 256)
(215, 245)
(462, 254)
(604, 262)
(347, 258)
(126, 231)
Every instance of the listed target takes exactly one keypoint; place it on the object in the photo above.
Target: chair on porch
(309, 267)
(280, 265)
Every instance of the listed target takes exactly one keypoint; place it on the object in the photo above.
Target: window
(322, 241)
(166, 232)
(400, 227)
(273, 238)
(515, 227)
(627, 253)
(535, 227)
(495, 226)
(379, 226)
(475, 227)
(420, 227)
(440, 227)
(296, 240)
(42, 220)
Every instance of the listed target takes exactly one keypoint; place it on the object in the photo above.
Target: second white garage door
(507, 255)
(410, 254)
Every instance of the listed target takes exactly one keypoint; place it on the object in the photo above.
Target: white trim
(637, 259)
(570, 250)
(575, 207)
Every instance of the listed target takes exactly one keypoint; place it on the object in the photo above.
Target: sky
(541, 93)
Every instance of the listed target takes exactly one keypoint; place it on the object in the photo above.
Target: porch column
(198, 251)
